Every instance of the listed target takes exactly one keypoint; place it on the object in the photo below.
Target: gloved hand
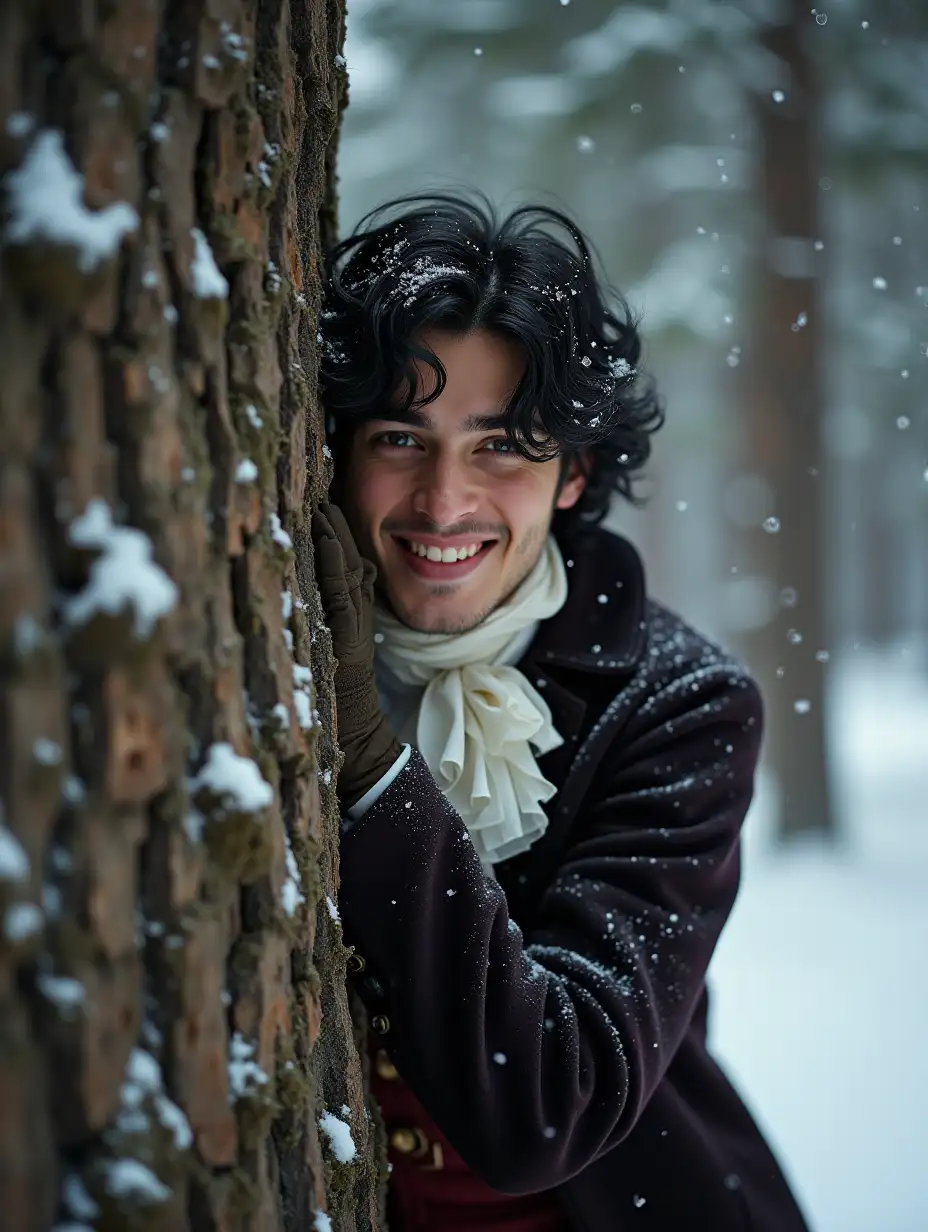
(346, 587)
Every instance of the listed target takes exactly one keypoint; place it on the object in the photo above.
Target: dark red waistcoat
(431, 1187)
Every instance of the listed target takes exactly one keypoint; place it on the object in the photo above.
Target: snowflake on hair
(425, 272)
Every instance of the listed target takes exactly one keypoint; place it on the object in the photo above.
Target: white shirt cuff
(374, 793)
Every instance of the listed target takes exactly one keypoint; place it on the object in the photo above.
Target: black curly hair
(442, 261)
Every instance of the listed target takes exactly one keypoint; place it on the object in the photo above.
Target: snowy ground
(821, 978)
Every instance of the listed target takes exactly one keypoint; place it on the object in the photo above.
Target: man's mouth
(437, 560)
(447, 555)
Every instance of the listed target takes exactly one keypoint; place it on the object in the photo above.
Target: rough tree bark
(784, 384)
(173, 1017)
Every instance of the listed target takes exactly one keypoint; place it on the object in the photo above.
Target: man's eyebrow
(418, 418)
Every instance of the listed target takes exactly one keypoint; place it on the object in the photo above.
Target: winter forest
(179, 1043)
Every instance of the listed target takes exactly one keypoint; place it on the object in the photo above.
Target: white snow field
(820, 981)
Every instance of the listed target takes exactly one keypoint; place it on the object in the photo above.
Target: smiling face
(452, 517)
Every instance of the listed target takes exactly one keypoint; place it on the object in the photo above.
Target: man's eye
(505, 446)
(397, 439)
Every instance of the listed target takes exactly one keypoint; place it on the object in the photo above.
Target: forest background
(755, 178)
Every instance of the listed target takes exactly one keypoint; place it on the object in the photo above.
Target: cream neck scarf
(478, 716)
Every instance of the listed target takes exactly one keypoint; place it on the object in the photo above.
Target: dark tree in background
(175, 1039)
(782, 426)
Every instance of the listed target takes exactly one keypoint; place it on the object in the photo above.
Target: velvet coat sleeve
(536, 1052)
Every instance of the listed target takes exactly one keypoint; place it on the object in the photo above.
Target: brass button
(406, 1141)
(385, 1067)
(356, 963)
(414, 1143)
(380, 1023)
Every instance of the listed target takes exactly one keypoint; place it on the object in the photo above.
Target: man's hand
(346, 587)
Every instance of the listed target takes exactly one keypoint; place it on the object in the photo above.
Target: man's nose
(444, 492)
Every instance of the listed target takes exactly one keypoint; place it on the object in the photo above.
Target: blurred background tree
(753, 176)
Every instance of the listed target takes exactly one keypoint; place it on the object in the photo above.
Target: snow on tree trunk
(174, 1026)
(784, 388)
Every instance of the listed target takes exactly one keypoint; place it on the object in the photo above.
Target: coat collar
(594, 641)
(587, 637)
(601, 627)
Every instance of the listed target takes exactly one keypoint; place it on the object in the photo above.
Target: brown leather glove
(346, 587)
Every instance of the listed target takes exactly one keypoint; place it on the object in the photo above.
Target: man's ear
(573, 483)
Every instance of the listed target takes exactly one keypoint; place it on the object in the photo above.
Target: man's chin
(439, 615)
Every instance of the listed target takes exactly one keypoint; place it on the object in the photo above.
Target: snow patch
(278, 534)
(47, 752)
(291, 895)
(22, 920)
(45, 198)
(245, 1074)
(20, 123)
(236, 780)
(14, 863)
(78, 1201)
(142, 1081)
(206, 282)
(124, 575)
(339, 1136)
(130, 1178)
(302, 696)
(66, 993)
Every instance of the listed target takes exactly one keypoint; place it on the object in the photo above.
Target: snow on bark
(46, 205)
(124, 575)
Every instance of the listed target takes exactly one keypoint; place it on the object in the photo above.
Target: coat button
(355, 963)
(385, 1067)
(380, 1023)
(414, 1144)
(406, 1141)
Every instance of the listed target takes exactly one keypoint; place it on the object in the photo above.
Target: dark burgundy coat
(585, 964)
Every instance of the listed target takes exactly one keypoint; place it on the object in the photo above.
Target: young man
(545, 771)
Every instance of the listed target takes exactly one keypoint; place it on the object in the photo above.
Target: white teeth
(445, 555)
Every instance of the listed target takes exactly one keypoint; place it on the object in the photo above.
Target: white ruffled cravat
(478, 717)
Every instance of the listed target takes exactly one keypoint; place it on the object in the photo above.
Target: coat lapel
(601, 627)
(577, 658)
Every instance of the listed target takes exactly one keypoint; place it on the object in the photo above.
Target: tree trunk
(783, 416)
(173, 1019)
